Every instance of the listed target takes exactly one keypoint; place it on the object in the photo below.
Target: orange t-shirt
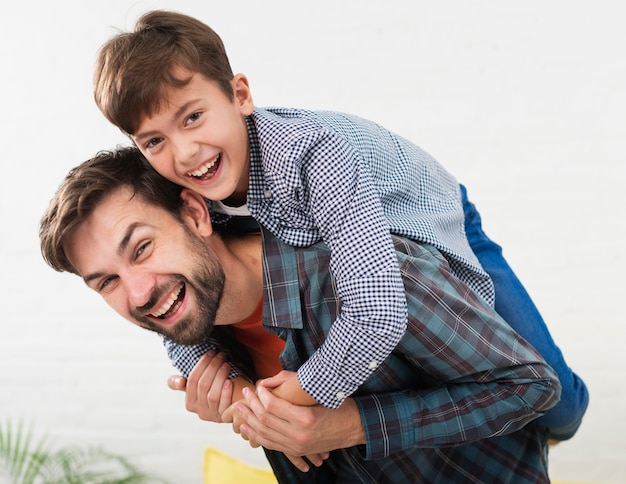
(264, 348)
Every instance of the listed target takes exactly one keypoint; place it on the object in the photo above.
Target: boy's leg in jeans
(516, 307)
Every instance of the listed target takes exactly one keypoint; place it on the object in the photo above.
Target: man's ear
(195, 212)
(243, 95)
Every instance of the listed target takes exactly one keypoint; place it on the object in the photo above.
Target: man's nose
(140, 286)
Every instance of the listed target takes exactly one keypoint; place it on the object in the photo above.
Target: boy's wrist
(291, 391)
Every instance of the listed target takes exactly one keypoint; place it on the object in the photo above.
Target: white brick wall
(524, 102)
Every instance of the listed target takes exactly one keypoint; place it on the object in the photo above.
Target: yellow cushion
(220, 468)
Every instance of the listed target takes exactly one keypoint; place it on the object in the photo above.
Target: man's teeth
(167, 305)
(204, 169)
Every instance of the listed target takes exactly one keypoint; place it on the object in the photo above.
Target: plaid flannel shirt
(454, 401)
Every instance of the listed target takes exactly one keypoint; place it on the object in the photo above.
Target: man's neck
(244, 276)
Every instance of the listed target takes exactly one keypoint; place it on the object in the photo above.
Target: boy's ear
(195, 212)
(243, 95)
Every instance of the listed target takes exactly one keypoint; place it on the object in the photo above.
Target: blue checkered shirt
(455, 400)
(349, 182)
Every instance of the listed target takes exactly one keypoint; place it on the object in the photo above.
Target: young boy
(305, 176)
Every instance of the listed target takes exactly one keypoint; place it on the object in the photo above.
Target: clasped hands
(262, 417)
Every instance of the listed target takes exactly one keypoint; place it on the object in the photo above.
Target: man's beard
(208, 284)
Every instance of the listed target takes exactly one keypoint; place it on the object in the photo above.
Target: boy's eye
(153, 142)
(192, 118)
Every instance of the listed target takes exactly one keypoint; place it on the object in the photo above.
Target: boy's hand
(285, 385)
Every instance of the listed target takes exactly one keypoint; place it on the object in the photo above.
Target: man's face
(149, 267)
(198, 138)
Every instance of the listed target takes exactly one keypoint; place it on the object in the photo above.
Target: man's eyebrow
(177, 114)
(126, 239)
(91, 277)
(121, 248)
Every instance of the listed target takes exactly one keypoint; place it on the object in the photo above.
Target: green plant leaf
(25, 461)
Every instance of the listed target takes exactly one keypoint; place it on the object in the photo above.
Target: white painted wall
(524, 102)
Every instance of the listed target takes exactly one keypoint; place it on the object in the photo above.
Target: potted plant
(24, 460)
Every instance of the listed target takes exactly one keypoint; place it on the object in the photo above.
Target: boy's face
(198, 138)
(151, 268)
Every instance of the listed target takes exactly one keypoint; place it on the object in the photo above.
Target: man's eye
(105, 283)
(142, 249)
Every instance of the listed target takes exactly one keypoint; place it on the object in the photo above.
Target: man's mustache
(156, 295)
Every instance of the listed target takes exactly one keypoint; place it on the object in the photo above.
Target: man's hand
(209, 392)
(310, 431)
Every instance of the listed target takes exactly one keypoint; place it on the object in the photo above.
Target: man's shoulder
(407, 249)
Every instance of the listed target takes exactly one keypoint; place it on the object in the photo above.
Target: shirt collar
(256, 179)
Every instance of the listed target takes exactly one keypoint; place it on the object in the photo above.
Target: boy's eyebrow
(120, 250)
(177, 114)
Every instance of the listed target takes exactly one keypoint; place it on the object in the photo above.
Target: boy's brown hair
(87, 185)
(134, 68)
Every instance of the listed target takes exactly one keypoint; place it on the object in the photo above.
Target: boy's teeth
(203, 169)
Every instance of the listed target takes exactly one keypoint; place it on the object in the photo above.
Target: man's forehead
(125, 206)
(107, 232)
(116, 211)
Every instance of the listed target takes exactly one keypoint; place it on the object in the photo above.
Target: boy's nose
(185, 152)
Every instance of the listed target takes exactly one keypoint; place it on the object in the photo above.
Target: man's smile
(171, 304)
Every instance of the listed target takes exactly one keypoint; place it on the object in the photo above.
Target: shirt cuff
(324, 384)
(185, 357)
(389, 423)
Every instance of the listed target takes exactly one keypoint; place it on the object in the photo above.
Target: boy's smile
(198, 137)
(207, 171)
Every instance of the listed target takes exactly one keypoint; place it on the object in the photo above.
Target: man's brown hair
(87, 185)
(133, 69)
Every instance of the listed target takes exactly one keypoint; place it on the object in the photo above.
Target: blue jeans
(517, 308)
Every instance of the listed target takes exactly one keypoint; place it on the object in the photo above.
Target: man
(455, 402)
